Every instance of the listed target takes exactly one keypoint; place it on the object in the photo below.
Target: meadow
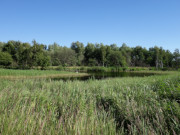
(138, 105)
(25, 74)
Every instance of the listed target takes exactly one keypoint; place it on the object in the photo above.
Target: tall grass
(146, 105)
(24, 74)
(109, 69)
(12, 72)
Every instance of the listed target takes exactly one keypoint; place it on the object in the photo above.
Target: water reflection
(103, 75)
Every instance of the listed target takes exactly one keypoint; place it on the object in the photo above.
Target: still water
(104, 75)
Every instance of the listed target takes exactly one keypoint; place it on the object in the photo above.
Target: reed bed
(139, 105)
(12, 74)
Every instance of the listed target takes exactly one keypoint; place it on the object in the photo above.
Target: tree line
(16, 54)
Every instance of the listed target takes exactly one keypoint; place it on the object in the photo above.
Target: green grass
(108, 69)
(139, 105)
(20, 74)
(99, 68)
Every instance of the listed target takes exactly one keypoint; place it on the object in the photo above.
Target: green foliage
(5, 59)
(111, 106)
(116, 58)
(62, 55)
(11, 74)
(44, 61)
(169, 89)
(89, 54)
(1, 46)
(27, 55)
(61, 68)
(92, 62)
(126, 52)
(176, 60)
(79, 49)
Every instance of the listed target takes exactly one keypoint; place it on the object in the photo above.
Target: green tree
(168, 57)
(103, 54)
(176, 58)
(66, 56)
(139, 56)
(54, 47)
(23, 55)
(79, 49)
(62, 55)
(39, 56)
(126, 52)
(53, 51)
(43, 60)
(114, 47)
(97, 54)
(116, 58)
(89, 54)
(10, 48)
(5, 59)
(1, 46)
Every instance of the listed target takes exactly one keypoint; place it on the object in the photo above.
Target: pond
(104, 75)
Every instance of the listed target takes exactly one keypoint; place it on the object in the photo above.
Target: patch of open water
(104, 75)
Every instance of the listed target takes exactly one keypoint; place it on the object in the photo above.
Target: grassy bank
(108, 69)
(22, 74)
(101, 69)
(147, 105)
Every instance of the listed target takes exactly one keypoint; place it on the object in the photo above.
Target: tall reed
(139, 105)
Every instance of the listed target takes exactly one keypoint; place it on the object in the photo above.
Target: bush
(60, 67)
(152, 68)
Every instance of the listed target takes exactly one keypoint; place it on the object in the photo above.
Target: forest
(22, 55)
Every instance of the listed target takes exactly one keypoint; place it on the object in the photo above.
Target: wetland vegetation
(128, 105)
(27, 74)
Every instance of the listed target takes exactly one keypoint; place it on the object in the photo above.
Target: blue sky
(134, 22)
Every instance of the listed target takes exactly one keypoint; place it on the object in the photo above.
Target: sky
(135, 22)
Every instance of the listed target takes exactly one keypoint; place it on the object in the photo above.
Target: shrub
(60, 67)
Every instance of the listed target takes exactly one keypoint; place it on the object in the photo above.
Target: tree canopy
(26, 55)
